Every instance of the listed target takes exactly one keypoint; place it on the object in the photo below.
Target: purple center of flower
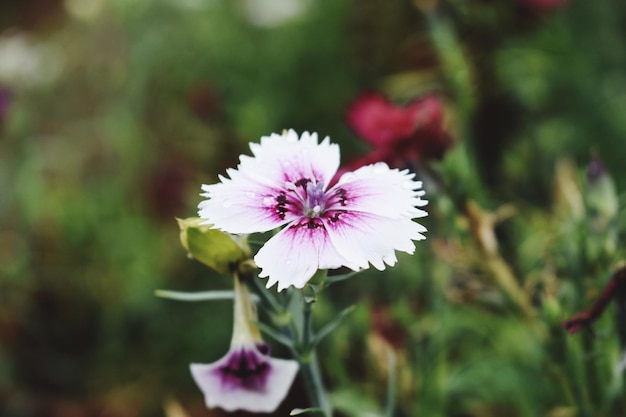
(307, 199)
(246, 368)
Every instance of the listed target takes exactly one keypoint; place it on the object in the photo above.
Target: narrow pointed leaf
(300, 411)
(332, 325)
(276, 335)
(198, 296)
(268, 296)
(331, 279)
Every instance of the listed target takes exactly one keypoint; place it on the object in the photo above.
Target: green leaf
(199, 296)
(332, 325)
(212, 247)
(276, 335)
(300, 411)
(268, 296)
(331, 279)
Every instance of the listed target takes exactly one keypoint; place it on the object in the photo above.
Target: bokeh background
(114, 112)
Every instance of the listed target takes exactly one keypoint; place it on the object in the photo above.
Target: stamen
(315, 201)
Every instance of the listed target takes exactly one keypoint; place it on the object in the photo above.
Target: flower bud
(214, 248)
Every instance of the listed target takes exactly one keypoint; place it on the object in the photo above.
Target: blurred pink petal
(414, 132)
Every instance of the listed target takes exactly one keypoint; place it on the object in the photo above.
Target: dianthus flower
(364, 218)
(246, 378)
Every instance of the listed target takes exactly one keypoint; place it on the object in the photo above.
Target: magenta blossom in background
(246, 378)
(364, 218)
(396, 133)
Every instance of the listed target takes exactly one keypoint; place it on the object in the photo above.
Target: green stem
(309, 364)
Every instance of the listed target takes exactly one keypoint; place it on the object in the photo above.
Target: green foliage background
(132, 107)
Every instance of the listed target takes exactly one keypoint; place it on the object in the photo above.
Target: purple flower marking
(245, 379)
(245, 368)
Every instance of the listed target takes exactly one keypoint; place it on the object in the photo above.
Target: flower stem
(309, 364)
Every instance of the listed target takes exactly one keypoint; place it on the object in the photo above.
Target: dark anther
(302, 182)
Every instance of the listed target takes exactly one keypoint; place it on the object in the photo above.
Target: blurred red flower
(396, 133)
(165, 187)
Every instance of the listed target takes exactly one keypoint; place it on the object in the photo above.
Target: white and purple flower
(362, 219)
(246, 378)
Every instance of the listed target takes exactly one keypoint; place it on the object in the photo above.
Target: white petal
(382, 191)
(285, 158)
(256, 398)
(294, 255)
(364, 238)
(246, 201)
(239, 205)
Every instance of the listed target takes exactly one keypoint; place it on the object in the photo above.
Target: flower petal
(294, 255)
(249, 201)
(242, 205)
(285, 158)
(364, 238)
(382, 191)
(245, 379)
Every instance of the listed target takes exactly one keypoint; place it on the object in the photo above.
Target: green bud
(214, 248)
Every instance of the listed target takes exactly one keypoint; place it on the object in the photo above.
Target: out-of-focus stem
(482, 224)
(461, 161)
(507, 282)
(454, 64)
